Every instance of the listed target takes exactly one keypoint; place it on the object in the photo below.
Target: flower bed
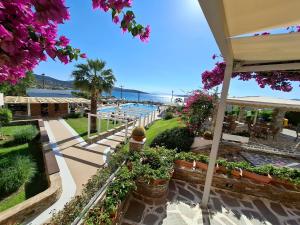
(266, 174)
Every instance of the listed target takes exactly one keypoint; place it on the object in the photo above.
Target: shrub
(208, 135)
(293, 117)
(179, 138)
(168, 116)
(5, 116)
(198, 109)
(138, 133)
(74, 207)
(25, 134)
(14, 172)
(74, 115)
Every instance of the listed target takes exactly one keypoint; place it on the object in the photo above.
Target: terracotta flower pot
(285, 183)
(257, 177)
(201, 166)
(184, 164)
(237, 173)
(138, 138)
(221, 169)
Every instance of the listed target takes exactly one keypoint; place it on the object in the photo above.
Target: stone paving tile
(223, 210)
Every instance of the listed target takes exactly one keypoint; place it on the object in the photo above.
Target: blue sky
(179, 50)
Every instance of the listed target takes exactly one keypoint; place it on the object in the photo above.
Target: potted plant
(201, 162)
(185, 160)
(153, 171)
(138, 133)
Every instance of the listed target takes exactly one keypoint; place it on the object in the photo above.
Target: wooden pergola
(233, 24)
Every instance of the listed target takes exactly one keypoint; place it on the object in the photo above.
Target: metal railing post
(126, 130)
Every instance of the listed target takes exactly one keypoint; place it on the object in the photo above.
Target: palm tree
(92, 77)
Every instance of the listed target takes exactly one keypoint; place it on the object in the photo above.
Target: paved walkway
(183, 208)
(77, 161)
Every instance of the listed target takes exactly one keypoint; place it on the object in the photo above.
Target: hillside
(55, 84)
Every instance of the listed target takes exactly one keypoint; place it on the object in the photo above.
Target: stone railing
(33, 206)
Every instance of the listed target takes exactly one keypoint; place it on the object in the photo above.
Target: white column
(140, 121)
(89, 125)
(217, 134)
(144, 121)
(69, 110)
(28, 109)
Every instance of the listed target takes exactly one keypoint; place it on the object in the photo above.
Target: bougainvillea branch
(276, 80)
(198, 108)
(28, 33)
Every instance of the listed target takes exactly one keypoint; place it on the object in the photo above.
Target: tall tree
(20, 88)
(92, 77)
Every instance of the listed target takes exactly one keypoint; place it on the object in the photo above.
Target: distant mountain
(52, 83)
(55, 84)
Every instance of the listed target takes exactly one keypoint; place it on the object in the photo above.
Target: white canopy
(265, 102)
(229, 19)
(233, 24)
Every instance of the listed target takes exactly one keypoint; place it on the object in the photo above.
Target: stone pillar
(277, 118)
(136, 145)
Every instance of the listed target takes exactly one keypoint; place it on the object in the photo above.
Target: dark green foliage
(25, 134)
(75, 206)
(14, 172)
(292, 175)
(5, 116)
(19, 88)
(179, 138)
(74, 115)
(153, 163)
(168, 116)
(293, 117)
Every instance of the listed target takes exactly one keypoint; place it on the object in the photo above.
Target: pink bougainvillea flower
(83, 55)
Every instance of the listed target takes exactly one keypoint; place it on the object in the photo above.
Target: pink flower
(116, 19)
(63, 41)
(83, 55)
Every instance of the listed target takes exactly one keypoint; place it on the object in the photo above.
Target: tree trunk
(94, 97)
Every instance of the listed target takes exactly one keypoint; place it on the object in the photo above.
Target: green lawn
(8, 150)
(80, 125)
(159, 126)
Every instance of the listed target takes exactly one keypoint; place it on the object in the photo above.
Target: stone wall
(241, 186)
(33, 206)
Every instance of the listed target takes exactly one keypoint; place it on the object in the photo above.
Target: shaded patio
(224, 208)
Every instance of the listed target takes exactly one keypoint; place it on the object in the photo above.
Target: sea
(130, 96)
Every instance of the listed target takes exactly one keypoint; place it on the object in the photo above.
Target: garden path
(225, 208)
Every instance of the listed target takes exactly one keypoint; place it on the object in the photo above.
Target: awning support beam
(217, 133)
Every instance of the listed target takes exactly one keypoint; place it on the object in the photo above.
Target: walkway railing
(96, 198)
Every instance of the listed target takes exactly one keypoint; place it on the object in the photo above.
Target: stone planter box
(183, 164)
(275, 190)
(257, 178)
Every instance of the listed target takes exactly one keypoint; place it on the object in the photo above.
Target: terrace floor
(225, 208)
